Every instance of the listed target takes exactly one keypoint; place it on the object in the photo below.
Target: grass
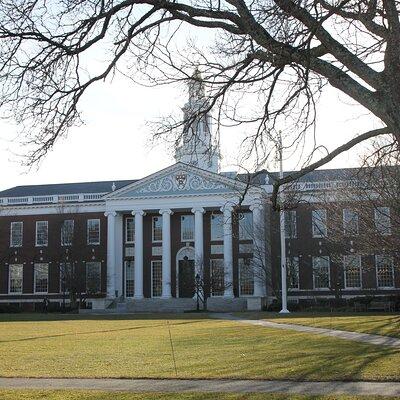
(379, 324)
(125, 346)
(95, 395)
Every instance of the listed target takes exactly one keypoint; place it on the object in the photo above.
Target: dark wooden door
(186, 278)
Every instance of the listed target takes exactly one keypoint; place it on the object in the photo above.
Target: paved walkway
(355, 336)
(206, 385)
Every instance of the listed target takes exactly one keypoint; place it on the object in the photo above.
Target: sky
(114, 142)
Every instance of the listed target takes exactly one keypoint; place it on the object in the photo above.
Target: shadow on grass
(37, 317)
(101, 331)
(295, 356)
(384, 324)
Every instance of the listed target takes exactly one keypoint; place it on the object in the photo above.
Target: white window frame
(292, 222)
(63, 243)
(18, 223)
(329, 272)
(243, 233)
(346, 222)
(46, 223)
(125, 276)
(152, 264)
(87, 232)
(377, 256)
(98, 264)
(191, 216)
(126, 230)
(213, 237)
(60, 269)
(240, 280)
(345, 271)
(290, 260)
(212, 261)
(152, 229)
(34, 278)
(319, 234)
(386, 214)
(9, 278)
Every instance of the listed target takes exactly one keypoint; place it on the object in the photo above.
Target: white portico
(186, 189)
(167, 255)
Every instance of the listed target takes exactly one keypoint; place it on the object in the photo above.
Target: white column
(228, 255)
(119, 258)
(111, 216)
(138, 253)
(166, 253)
(198, 239)
(259, 262)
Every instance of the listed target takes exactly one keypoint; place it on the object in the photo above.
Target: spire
(196, 87)
(197, 146)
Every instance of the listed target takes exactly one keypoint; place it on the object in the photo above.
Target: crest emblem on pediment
(181, 179)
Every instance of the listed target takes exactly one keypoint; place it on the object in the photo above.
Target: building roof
(64, 188)
(259, 178)
(321, 175)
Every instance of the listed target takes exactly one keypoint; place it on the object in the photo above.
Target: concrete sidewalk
(347, 335)
(206, 385)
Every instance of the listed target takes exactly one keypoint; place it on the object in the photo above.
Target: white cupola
(198, 147)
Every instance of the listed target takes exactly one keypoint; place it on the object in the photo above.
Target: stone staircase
(153, 305)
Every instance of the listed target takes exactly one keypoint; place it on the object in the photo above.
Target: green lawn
(125, 346)
(94, 395)
(380, 324)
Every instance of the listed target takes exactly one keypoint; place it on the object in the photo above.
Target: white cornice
(73, 208)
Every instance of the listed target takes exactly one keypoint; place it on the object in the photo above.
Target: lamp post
(284, 309)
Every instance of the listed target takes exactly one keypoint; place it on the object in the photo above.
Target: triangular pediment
(177, 180)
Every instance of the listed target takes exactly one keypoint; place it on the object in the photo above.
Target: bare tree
(362, 220)
(210, 280)
(281, 52)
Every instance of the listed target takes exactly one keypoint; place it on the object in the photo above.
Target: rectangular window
(350, 222)
(217, 277)
(67, 232)
(93, 231)
(382, 220)
(15, 273)
(384, 271)
(157, 229)
(66, 277)
(156, 278)
(319, 228)
(16, 234)
(187, 228)
(293, 272)
(130, 230)
(321, 274)
(217, 226)
(129, 278)
(352, 271)
(246, 277)
(93, 277)
(41, 278)
(245, 226)
(42, 235)
(290, 224)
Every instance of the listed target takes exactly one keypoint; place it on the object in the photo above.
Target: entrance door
(187, 286)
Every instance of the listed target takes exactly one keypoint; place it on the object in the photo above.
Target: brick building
(142, 245)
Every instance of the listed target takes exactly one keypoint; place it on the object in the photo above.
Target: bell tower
(197, 147)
